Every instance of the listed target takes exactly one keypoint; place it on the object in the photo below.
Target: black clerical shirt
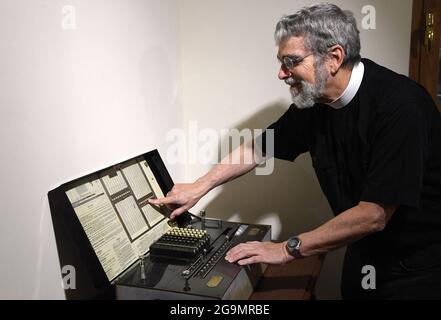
(383, 147)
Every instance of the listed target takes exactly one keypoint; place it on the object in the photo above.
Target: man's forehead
(292, 45)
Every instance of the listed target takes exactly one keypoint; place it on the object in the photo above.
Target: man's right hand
(181, 198)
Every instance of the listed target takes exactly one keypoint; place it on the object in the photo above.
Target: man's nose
(284, 73)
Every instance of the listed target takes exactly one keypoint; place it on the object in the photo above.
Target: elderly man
(375, 141)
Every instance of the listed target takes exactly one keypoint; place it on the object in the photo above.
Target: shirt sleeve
(398, 153)
(288, 139)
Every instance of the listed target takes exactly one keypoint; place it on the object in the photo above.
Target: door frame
(423, 64)
(417, 35)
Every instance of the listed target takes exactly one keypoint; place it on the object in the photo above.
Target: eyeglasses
(290, 62)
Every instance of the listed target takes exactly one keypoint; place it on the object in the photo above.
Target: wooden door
(425, 56)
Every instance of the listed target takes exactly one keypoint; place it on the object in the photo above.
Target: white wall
(72, 102)
(230, 81)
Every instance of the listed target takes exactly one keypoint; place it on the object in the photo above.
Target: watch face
(293, 242)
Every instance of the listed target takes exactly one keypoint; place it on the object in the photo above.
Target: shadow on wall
(290, 198)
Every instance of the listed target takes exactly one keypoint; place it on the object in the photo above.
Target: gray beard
(309, 94)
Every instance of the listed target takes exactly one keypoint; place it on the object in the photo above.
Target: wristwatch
(293, 247)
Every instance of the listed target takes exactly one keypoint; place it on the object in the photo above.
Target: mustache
(291, 81)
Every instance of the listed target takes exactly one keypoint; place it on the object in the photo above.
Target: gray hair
(323, 26)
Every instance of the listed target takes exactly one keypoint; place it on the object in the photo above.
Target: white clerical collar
(352, 88)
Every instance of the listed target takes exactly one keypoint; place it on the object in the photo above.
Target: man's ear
(336, 56)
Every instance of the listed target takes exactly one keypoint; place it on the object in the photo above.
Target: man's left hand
(259, 252)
